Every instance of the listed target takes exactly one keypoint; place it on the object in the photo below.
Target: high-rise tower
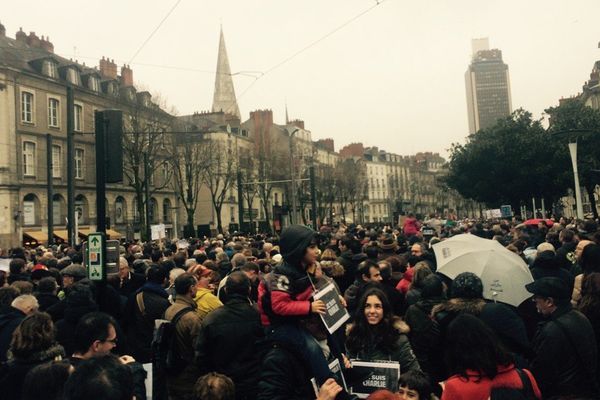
(488, 87)
(224, 97)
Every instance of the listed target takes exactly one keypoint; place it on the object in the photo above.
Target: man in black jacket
(565, 361)
(20, 307)
(143, 308)
(227, 341)
(284, 376)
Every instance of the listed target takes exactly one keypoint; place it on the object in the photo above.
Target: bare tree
(145, 151)
(219, 174)
(248, 179)
(189, 158)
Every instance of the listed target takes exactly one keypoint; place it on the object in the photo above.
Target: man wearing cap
(565, 361)
(71, 274)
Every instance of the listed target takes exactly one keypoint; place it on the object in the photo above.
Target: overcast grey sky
(393, 78)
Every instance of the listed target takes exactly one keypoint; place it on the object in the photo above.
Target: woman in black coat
(33, 344)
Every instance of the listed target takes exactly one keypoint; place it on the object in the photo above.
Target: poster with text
(365, 377)
(336, 313)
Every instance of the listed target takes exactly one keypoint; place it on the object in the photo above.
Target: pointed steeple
(224, 96)
(287, 118)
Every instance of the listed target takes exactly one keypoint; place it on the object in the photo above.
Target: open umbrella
(503, 273)
(536, 221)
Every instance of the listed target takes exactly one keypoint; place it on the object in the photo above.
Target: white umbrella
(503, 273)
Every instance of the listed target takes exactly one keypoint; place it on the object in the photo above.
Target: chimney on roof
(33, 40)
(108, 68)
(126, 76)
(2, 30)
(21, 36)
(47, 45)
(298, 123)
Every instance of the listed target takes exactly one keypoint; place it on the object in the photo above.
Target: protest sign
(336, 313)
(365, 377)
(336, 368)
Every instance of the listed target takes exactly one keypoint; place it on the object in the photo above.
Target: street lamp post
(291, 130)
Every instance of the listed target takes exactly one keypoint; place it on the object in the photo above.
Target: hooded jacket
(284, 294)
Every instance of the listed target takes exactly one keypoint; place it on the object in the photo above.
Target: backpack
(506, 393)
(165, 352)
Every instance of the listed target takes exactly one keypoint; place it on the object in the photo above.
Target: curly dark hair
(472, 345)
(34, 333)
(362, 332)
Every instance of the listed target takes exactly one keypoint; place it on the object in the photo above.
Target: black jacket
(15, 370)
(138, 327)
(284, 376)
(424, 337)
(65, 328)
(345, 259)
(129, 286)
(546, 264)
(46, 300)
(227, 344)
(566, 355)
(8, 323)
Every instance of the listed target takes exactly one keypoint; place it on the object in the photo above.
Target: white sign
(157, 232)
(95, 256)
(28, 213)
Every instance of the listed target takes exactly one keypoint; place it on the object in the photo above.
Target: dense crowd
(245, 324)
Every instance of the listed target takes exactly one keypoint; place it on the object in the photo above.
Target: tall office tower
(488, 86)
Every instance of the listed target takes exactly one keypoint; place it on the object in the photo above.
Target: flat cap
(549, 287)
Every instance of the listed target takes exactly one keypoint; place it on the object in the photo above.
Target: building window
(56, 161)
(27, 107)
(78, 108)
(93, 84)
(49, 69)
(28, 159)
(53, 110)
(79, 163)
(73, 76)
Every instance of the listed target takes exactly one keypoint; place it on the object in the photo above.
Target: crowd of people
(245, 323)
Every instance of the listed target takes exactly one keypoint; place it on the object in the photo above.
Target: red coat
(406, 280)
(276, 299)
(478, 388)
(411, 226)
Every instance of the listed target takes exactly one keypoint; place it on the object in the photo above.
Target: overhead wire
(154, 31)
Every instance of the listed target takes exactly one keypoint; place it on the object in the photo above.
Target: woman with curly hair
(480, 365)
(379, 335)
(33, 343)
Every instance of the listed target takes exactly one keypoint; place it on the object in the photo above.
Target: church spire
(224, 96)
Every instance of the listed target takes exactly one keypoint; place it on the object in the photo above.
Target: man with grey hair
(126, 281)
(21, 307)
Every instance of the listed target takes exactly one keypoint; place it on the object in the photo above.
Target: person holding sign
(285, 299)
(378, 335)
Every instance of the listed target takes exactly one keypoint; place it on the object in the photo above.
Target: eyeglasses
(113, 341)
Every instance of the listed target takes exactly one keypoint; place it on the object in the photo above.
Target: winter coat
(424, 336)
(284, 375)
(411, 226)
(546, 265)
(206, 302)
(566, 355)
(576, 295)
(15, 370)
(478, 387)
(407, 278)
(352, 295)
(46, 300)
(129, 286)
(8, 323)
(65, 328)
(401, 352)
(227, 344)
(284, 295)
(350, 263)
(186, 332)
(138, 326)
(565, 255)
